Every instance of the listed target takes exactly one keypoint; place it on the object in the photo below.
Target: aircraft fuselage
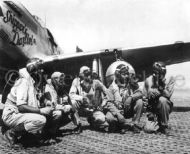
(21, 37)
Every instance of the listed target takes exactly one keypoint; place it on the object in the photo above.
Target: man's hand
(49, 103)
(119, 106)
(58, 107)
(64, 108)
(128, 101)
(65, 100)
(162, 84)
(67, 108)
(153, 93)
(86, 101)
(57, 113)
(103, 104)
(46, 110)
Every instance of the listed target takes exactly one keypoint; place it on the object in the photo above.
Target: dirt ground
(91, 141)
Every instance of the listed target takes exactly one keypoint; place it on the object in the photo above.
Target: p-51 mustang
(23, 37)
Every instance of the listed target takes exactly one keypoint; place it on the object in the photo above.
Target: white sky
(100, 24)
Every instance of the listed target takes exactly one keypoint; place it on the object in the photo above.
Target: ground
(90, 141)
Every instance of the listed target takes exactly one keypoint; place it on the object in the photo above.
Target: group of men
(32, 108)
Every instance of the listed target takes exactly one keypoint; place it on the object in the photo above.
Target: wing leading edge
(141, 58)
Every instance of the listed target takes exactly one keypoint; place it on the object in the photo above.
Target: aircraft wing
(141, 58)
(71, 63)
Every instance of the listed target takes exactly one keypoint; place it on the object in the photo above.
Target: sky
(101, 24)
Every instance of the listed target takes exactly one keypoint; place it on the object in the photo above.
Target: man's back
(23, 91)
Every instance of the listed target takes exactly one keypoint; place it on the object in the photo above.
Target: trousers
(135, 111)
(162, 108)
(33, 123)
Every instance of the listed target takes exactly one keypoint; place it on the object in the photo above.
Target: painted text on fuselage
(18, 38)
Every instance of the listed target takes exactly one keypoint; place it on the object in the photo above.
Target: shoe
(42, 139)
(122, 131)
(106, 129)
(4, 129)
(139, 126)
(78, 129)
(151, 117)
(136, 129)
(88, 111)
(164, 130)
(102, 127)
(50, 141)
(112, 129)
(10, 137)
(127, 125)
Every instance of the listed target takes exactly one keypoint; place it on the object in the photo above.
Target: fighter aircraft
(22, 37)
(139, 60)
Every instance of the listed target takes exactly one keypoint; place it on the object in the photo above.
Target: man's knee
(40, 120)
(163, 100)
(110, 118)
(35, 123)
(75, 104)
(97, 119)
(139, 103)
(57, 115)
(164, 105)
(113, 110)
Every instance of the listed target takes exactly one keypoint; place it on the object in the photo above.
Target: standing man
(63, 111)
(126, 96)
(159, 90)
(22, 112)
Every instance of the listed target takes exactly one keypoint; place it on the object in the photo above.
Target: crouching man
(22, 113)
(57, 98)
(87, 94)
(158, 91)
(127, 98)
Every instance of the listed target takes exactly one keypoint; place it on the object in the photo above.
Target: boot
(164, 130)
(126, 124)
(11, 135)
(4, 128)
(75, 118)
(78, 129)
(122, 127)
(136, 129)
